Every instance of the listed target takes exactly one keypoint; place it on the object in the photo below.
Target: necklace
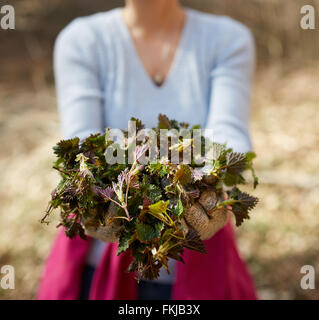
(159, 77)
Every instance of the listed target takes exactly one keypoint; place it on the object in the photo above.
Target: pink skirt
(218, 275)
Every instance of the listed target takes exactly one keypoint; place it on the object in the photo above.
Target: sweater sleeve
(79, 91)
(231, 80)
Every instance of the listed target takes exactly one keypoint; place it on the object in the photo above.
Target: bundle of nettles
(150, 198)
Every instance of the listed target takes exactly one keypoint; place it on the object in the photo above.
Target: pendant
(158, 79)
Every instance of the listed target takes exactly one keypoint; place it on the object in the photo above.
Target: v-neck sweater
(101, 81)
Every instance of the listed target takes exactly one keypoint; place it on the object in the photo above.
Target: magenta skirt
(218, 275)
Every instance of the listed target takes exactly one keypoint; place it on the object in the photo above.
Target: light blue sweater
(101, 81)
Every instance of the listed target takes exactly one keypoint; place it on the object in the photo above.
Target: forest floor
(281, 237)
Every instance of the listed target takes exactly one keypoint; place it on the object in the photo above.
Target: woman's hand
(110, 232)
(203, 218)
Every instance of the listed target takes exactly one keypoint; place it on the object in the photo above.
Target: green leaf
(158, 207)
(154, 192)
(163, 122)
(124, 242)
(93, 142)
(159, 169)
(146, 232)
(150, 190)
(179, 208)
(233, 179)
(158, 210)
(218, 152)
(195, 127)
(138, 123)
(158, 228)
(66, 147)
(250, 155)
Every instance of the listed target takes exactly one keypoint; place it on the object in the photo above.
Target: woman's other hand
(108, 233)
(204, 218)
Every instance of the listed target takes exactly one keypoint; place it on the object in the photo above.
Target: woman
(147, 58)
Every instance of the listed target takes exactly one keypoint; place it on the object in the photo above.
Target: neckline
(177, 55)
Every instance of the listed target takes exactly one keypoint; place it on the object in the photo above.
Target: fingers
(184, 226)
(197, 219)
(106, 234)
(203, 218)
(218, 221)
(112, 210)
(110, 232)
(208, 201)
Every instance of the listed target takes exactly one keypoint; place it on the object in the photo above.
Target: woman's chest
(130, 92)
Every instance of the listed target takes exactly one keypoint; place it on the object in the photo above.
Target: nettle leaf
(73, 228)
(93, 142)
(179, 208)
(250, 155)
(158, 228)
(183, 174)
(236, 162)
(231, 180)
(106, 193)
(218, 151)
(158, 210)
(150, 190)
(193, 242)
(158, 168)
(154, 192)
(66, 147)
(146, 232)
(138, 123)
(241, 203)
(158, 207)
(163, 122)
(124, 242)
(84, 169)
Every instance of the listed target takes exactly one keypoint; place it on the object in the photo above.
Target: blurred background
(283, 234)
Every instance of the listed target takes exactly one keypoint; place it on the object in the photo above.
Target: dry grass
(283, 234)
